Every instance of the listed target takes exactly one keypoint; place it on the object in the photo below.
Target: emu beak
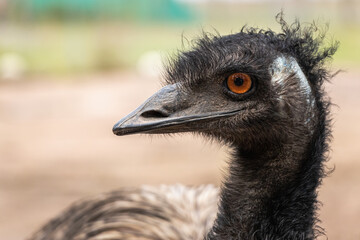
(171, 110)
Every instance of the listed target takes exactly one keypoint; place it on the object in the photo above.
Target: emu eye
(239, 83)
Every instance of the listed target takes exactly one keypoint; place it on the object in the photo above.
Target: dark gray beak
(171, 110)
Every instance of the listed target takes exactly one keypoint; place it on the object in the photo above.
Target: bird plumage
(278, 131)
(164, 212)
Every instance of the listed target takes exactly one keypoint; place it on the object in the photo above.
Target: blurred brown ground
(56, 146)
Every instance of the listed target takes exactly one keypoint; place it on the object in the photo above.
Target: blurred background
(70, 69)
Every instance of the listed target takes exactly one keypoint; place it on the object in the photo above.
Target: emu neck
(271, 194)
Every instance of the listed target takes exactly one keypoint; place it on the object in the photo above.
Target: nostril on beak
(154, 114)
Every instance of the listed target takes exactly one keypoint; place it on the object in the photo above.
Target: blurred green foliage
(54, 41)
(70, 10)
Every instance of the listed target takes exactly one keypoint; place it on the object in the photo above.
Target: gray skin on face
(176, 109)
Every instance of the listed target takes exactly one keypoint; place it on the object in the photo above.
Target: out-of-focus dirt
(56, 146)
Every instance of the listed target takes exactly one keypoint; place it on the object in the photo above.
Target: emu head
(250, 89)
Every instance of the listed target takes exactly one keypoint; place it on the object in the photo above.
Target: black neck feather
(271, 194)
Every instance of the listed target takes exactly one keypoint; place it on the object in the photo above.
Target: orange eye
(239, 83)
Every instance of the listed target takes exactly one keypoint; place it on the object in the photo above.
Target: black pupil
(239, 81)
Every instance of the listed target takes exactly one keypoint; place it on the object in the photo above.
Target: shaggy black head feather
(254, 49)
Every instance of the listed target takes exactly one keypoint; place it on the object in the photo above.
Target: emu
(260, 93)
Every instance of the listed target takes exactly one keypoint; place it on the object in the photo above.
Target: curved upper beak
(170, 110)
